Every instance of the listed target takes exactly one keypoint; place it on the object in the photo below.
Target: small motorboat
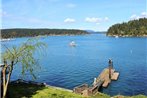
(72, 44)
(116, 36)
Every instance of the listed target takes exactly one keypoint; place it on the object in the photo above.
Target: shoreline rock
(21, 81)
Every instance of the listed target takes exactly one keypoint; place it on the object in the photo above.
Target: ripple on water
(68, 67)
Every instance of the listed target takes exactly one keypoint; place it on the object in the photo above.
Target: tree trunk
(6, 80)
(4, 84)
(4, 92)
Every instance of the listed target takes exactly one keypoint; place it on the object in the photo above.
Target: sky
(97, 15)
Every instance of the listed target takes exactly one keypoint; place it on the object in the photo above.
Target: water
(65, 66)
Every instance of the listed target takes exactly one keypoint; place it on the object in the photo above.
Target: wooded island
(13, 33)
(131, 28)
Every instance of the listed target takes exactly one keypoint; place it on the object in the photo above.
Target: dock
(105, 77)
(103, 80)
(115, 76)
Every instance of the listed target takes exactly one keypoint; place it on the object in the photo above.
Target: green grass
(54, 93)
(137, 96)
(34, 91)
(100, 95)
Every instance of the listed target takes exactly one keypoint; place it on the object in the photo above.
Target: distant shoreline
(18, 32)
(125, 36)
(39, 36)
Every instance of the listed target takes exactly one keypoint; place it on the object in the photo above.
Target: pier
(104, 79)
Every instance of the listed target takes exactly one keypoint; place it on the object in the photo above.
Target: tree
(22, 55)
(130, 28)
(18, 32)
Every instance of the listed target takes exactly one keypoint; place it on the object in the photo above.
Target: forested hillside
(131, 28)
(12, 33)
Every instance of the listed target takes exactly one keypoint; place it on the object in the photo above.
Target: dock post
(110, 67)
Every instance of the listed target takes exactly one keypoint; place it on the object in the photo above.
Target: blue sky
(96, 15)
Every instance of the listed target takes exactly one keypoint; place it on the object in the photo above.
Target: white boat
(73, 44)
(116, 36)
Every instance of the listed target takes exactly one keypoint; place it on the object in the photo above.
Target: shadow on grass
(23, 90)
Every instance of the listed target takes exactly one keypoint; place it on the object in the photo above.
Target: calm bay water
(65, 66)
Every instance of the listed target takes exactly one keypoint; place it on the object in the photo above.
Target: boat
(116, 36)
(72, 44)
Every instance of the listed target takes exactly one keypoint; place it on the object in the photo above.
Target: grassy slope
(33, 91)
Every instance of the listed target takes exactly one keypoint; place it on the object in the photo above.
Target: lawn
(34, 91)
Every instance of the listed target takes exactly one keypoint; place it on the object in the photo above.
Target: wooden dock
(104, 76)
(104, 79)
(115, 76)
